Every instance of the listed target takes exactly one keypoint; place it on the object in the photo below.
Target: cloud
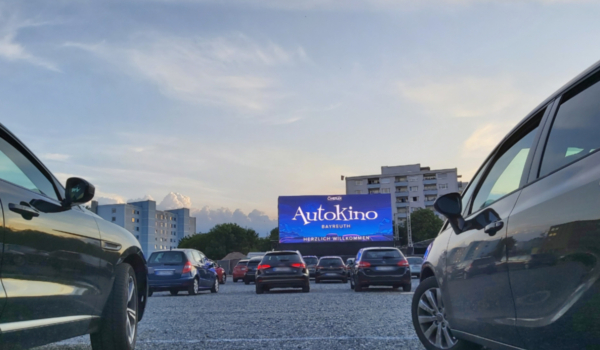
(13, 51)
(56, 157)
(231, 70)
(485, 138)
(207, 218)
(175, 201)
(144, 198)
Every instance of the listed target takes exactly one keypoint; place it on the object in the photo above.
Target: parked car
(65, 271)
(380, 266)
(331, 268)
(250, 274)
(415, 265)
(181, 270)
(349, 263)
(221, 274)
(282, 269)
(311, 263)
(497, 274)
(239, 270)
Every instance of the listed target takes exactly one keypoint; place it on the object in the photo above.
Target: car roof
(331, 257)
(256, 258)
(309, 256)
(282, 251)
(373, 248)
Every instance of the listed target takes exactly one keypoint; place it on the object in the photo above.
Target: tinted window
(505, 175)
(415, 261)
(276, 258)
(17, 169)
(167, 258)
(576, 127)
(331, 262)
(253, 263)
(381, 254)
(311, 261)
(242, 263)
(471, 188)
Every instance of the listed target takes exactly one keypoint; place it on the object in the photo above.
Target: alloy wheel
(131, 310)
(216, 284)
(195, 286)
(432, 319)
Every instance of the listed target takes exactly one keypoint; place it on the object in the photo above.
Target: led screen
(342, 218)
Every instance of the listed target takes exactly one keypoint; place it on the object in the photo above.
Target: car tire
(215, 287)
(419, 309)
(235, 280)
(118, 327)
(259, 289)
(193, 289)
(317, 281)
(246, 281)
(345, 280)
(174, 292)
(224, 279)
(406, 288)
(352, 283)
(395, 287)
(306, 287)
(357, 287)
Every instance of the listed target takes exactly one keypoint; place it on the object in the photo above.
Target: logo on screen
(338, 198)
(337, 215)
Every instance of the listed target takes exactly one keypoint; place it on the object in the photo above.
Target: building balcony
(373, 185)
(401, 204)
(401, 215)
(426, 192)
(430, 182)
(402, 194)
(429, 203)
(401, 183)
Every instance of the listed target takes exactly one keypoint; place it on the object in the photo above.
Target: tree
(424, 225)
(223, 239)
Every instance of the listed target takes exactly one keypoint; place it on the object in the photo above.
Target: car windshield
(331, 262)
(167, 258)
(311, 261)
(415, 261)
(242, 263)
(284, 257)
(382, 254)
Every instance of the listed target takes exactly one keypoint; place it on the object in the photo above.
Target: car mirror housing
(450, 205)
(78, 191)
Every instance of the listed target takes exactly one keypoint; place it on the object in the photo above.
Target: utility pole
(410, 248)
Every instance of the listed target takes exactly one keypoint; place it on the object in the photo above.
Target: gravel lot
(331, 316)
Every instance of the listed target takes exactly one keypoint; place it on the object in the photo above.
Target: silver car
(415, 265)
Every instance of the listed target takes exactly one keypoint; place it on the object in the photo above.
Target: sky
(222, 106)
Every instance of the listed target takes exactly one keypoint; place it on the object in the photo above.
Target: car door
(477, 294)
(554, 258)
(204, 274)
(51, 259)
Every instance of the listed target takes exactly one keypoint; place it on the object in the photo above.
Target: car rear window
(331, 262)
(275, 258)
(381, 254)
(311, 261)
(242, 263)
(415, 261)
(167, 258)
(253, 263)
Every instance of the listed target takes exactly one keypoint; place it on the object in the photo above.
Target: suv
(282, 269)
(65, 271)
(181, 270)
(311, 264)
(380, 266)
(517, 263)
(331, 268)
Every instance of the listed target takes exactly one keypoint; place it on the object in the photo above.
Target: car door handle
(494, 227)
(24, 209)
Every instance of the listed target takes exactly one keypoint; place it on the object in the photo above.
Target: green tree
(222, 240)
(424, 225)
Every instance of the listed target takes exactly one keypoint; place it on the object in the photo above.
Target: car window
(242, 263)
(331, 262)
(311, 261)
(505, 175)
(471, 188)
(415, 261)
(576, 127)
(253, 263)
(167, 257)
(17, 169)
(197, 256)
(381, 253)
(276, 258)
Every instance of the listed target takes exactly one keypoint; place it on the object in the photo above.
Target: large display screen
(342, 218)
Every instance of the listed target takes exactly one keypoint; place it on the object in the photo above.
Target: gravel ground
(331, 316)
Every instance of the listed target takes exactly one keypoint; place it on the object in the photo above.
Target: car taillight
(364, 264)
(187, 267)
(299, 265)
(264, 266)
(403, 263)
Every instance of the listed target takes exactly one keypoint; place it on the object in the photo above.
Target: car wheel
(317, 280)
(306, 287)
(246, 281)
(224, 279)
(118, 328)
(235, 280)
(352, 283)
(259, 288)
(215, 287)
(193, 290)
(395, 287)
(345, 280)
(357, 287)
(406, 288)
(174, 292)
(429, 319)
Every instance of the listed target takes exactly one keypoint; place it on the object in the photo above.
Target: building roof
(403, 173)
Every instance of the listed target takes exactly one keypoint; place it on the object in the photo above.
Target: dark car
(311, 264)
(331, 268)
(499, 273)
(283, 269)
(415, 263)
(250, 274)
(65, 271)
(380, 266)
(349, 263)
(181, 270)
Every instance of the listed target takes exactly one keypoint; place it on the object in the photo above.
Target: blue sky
(230, 104)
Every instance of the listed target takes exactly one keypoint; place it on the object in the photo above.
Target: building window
(114, 219)
(401, 199)
(155, 246)
(373, 181)
(401, 189)
(132, 220)
(413, 178)
(442, 176)
(385, 190)
(137, 220)
(429, 177)
(401, 179)
(414, 188)
(442, 186)
(401, 210)
(137, 228)
(374, 191)
(358, 183)
(114, 210)
(430, 198)
(385, 180)
(415, 199)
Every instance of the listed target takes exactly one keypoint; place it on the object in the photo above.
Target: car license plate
(163, 272)
(331, 274)
(384, 268)
(282, 269)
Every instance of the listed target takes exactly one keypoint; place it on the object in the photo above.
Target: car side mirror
(78, 191)
(450, 205)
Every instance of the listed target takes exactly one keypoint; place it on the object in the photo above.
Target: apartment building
(412, 186)
(154, 229)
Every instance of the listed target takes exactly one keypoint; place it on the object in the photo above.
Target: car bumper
(283, 281)
(250, 277)
(331, 276)
(159, 285)
(384, 280)
(238, 275)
